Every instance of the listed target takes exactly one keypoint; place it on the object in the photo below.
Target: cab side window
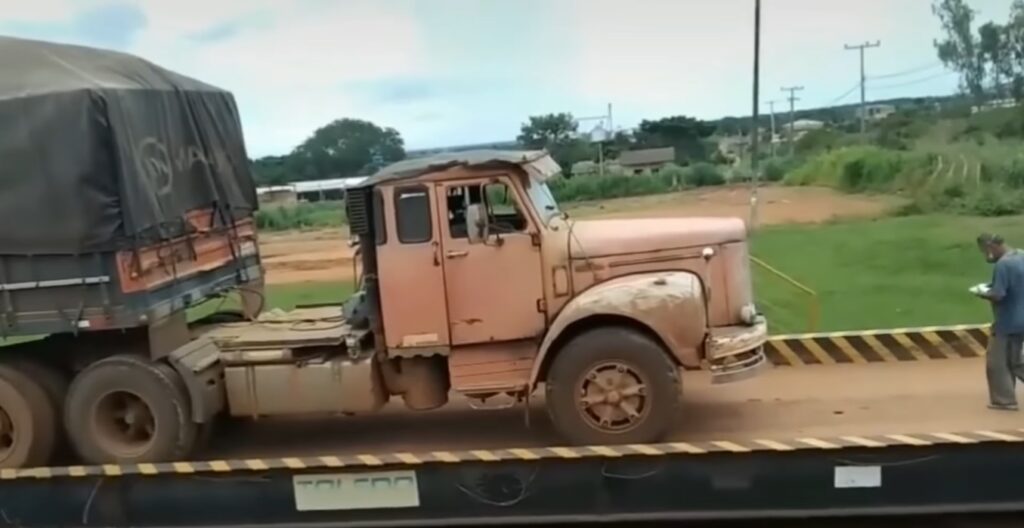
(412, 214)
(503, 212)
(503, 209)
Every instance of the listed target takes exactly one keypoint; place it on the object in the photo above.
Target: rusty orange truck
(472, 282)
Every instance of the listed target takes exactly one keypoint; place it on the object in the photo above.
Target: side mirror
(476, 223)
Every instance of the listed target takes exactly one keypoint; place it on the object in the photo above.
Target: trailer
(866, 423)
(125, 199)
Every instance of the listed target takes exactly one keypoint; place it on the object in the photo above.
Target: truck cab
(469, 258)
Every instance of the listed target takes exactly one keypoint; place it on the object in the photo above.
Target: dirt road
(324, 256)
(786, 403)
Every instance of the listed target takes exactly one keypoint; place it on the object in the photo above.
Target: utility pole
(755, 140)
(863, 81)
(771, 106)
(610, 134)
(792, 112)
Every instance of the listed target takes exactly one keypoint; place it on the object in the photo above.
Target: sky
(452, 72)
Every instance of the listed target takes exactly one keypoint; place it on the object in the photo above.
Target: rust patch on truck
(671, 304)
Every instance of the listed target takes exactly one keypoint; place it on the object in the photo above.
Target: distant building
(878, 112)
(637, 161)
(277, 195)
(992, 105)
(308, 191)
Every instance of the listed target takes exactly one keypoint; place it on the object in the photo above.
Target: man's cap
(990, 239)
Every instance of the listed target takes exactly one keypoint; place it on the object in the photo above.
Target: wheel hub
(124, 422)
(613, 397)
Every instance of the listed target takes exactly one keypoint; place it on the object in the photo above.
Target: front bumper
(736, 353)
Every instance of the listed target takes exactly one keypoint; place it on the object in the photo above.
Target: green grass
(314, 215)
(283, 296)
(892, 272)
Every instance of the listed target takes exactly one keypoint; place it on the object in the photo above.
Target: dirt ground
(784, 403)
(324, 256)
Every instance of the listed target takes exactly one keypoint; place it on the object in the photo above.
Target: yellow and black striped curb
(392, 460)
(876, 346)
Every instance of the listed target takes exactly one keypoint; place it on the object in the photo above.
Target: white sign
(858, 477)
(356, 491)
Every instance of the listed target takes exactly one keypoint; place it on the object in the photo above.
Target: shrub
(993, 201)
(774, 171)
(703, 175)
(853, 169)
(301, 216)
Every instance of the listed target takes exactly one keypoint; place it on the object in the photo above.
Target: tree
(271, 170)
(994, 50)
(960, 49)
(543, 131)
(343, 148)
(685, 134)
(1013, 53)
(556, 133)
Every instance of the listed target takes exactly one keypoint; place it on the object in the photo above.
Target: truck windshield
(543, 200)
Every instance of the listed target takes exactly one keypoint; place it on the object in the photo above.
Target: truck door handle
(456, 254)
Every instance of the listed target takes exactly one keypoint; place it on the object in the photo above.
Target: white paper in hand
(979, 289)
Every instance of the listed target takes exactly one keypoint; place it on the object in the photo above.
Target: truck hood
(600, 238)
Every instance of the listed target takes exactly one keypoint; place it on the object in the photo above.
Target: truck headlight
(748, 313)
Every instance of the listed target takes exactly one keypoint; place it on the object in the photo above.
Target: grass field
(884, 273)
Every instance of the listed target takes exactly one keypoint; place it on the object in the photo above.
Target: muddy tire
(54, 383)
(28, 421)
(128, 409)
(612, 386)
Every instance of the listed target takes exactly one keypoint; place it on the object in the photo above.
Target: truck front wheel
(28, 421)
(612, 386)
(127, 409)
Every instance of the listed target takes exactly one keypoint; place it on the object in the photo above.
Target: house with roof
(638, 161)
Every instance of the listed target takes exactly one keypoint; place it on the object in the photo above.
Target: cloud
(464, 71)
(109, 25)
(229, 29)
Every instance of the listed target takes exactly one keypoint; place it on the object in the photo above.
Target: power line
(906, 72)
(911, 83)
(792, 112)
(844, 96)
(863, 81)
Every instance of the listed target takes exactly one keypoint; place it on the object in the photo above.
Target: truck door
(495, 288)
(411, 274)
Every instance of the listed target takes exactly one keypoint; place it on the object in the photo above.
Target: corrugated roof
(647, 156)
(545, 166)
(333, 184)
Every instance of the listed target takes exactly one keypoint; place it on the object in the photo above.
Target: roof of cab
(414, 168)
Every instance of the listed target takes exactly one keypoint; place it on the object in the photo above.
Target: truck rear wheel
(28, 421)
(54, 383)
(127, 409)
(612, 386)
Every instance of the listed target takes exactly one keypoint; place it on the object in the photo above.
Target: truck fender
(669, 304)
(198, 364)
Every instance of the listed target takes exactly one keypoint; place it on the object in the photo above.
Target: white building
(313, 190)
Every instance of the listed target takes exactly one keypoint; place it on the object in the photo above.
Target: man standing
(1004, 364)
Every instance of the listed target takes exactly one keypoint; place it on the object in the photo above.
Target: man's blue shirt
(1008, 294)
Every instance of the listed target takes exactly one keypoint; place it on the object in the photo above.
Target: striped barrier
(903, 344)
(393, 460)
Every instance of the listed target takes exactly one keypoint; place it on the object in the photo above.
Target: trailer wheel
(127, 409)
(54, 383)
(28, 421)
(612, 386)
